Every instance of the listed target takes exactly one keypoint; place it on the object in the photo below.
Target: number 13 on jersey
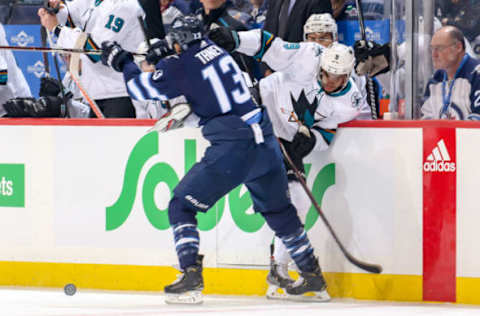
(230, 76)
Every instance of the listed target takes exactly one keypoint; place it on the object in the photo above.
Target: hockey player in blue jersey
(243, 150)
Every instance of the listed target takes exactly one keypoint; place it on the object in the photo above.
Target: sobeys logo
(12, 185)
(161, 172)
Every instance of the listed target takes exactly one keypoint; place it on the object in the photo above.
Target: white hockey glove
(173, 119)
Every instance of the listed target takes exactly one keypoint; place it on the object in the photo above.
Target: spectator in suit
(285, 18)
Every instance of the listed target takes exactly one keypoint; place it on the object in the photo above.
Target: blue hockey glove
(158, 51)
(225, 38)
(114, 55)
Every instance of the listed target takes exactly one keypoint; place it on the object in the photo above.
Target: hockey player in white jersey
(322, 29)
(310, 93)
(103, 20)
(12, 81)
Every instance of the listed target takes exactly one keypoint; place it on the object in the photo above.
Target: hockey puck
(70, 289)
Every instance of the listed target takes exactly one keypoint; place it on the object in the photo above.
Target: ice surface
(36, 302)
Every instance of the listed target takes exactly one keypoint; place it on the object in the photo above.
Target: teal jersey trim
(3, 78)
(91, 45)
(308, 119)
(328, 136)
(267, 39)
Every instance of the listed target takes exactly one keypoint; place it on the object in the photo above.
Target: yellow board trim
(218, 280)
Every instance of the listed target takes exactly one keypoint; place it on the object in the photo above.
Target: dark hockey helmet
(184, 31)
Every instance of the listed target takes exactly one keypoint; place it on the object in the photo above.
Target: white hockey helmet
(338, 59)
(320, 23)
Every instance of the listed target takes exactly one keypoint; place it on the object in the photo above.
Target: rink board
(86, 203)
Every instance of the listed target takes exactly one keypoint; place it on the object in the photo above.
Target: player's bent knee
(284, 222)
(178, 212)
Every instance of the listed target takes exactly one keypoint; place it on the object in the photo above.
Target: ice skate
(311, 286)
(277, 281)
(187, 289)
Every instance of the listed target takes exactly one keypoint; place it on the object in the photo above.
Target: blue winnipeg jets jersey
(205, 74)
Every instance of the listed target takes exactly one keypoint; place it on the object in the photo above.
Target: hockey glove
(29, 107)
(44, 107)
(172, 119)
(49, 87)
(371, 58)
(16, 107)
(225, 38)
(158, 51)
(303, 142)
(115, 56)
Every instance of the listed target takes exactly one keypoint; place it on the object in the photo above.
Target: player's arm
(263, 46)
(140, 85)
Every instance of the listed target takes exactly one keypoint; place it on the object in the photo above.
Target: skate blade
(276, 293)
(187, 298)
(320, 296)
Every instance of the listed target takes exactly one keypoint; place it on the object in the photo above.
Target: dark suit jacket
(301, 10)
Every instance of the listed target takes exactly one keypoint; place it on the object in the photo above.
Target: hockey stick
(43, 35)
(47, 35)
(74, 72)
(153, 18)
(370, 85)
(373, 268)
(144, 31)
(59, 50)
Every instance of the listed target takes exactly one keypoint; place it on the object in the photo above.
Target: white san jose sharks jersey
(289, 102)
(12, 81)
(292, 94)
(105, 20)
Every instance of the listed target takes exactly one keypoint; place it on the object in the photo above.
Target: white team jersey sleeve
(68, 37)
(298, 60)
(74, 12)
(16, 85)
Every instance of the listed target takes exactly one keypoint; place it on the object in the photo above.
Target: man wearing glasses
(454, 90)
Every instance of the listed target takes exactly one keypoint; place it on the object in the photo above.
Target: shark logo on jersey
(157, 74)
(304, 109)
(356, 99)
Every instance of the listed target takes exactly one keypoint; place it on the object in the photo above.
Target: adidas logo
(439, 160)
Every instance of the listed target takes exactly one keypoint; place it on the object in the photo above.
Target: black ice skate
(311, 286)
(187, 289)
(277, 280)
